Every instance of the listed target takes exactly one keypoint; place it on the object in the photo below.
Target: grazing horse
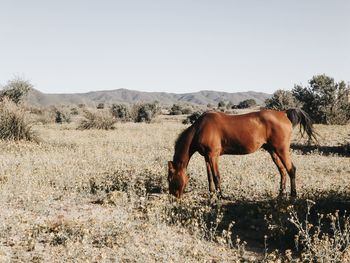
(216, 133)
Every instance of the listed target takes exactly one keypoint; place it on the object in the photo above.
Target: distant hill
(204, 97)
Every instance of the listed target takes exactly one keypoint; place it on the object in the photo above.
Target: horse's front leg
(214, 165)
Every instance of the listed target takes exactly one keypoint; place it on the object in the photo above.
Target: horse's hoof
(283, 195)
(293, 197)
(222, 197)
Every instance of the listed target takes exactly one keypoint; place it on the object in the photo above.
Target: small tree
(16, 89)
(281, 100)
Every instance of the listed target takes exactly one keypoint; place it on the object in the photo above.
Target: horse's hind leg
(210, 176)
(281, 170)
(284, 155)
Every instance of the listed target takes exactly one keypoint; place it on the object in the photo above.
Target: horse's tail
(298, 116)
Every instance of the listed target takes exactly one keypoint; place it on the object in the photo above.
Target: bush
(193, 117)
(62, 116)
(281, 100)
(145, 112)
(13, 122)
(178, 109)
(16, 89)
(120, 111)
(100, 106)
(246, 104)
(101, 120)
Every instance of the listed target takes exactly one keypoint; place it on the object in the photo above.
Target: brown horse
(216, 133)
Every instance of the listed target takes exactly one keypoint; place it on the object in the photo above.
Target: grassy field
(101, 196)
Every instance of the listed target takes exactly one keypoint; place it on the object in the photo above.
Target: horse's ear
(171, 166)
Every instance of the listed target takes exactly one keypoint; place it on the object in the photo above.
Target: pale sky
(174, 46)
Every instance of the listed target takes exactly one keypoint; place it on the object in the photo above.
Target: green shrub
(14, 124)
(102, 120)
(145, 112)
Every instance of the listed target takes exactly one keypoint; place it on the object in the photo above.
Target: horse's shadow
(341, 150)
(266, 222)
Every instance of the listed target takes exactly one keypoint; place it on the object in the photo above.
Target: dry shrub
(14, 124)
(101, 120)
(320, 246)
(41, 115)
(62, 115)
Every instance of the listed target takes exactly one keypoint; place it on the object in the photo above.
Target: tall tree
(325, 100)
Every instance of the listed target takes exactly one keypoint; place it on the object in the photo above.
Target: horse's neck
(184, 151)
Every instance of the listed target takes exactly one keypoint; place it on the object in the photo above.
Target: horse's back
(241, 134)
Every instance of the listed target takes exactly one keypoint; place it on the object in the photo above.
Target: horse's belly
(240, 149)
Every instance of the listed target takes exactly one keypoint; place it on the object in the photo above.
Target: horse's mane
(183, 142)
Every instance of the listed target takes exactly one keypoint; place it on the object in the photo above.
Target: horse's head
(177, 179)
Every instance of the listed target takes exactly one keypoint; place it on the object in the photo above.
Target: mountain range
(204, 97)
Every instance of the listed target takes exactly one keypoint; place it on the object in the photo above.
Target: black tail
(298, 116)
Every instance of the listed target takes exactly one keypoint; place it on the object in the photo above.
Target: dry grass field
(101, 196)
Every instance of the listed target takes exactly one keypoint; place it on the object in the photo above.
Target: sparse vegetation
(113, 189)
(93, 196)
